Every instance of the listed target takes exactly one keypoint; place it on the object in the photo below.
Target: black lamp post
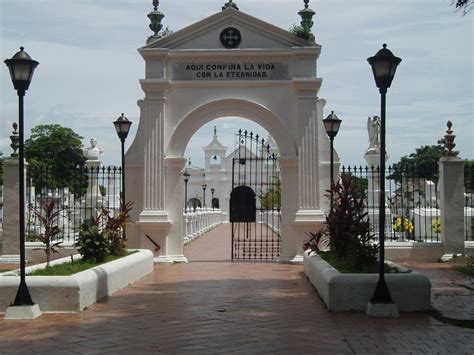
(384, 64)
(122, 126)
(204, 186)
(332, 124)
(186, 179)
(21, 68)
(212, 196)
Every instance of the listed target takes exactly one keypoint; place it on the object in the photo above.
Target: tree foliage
(469, 175)
(361, 184)
(271, 199)
(422, 164)
(58, 151)
(465, 5)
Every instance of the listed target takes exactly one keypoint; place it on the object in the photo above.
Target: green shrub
(92, 244)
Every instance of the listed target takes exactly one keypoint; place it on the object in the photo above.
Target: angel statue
(373, 128)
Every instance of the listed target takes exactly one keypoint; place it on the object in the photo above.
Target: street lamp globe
(122, 126)
(384, 65)
(332, 124)
(21, 68)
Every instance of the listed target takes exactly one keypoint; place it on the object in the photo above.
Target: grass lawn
(347, 266)
(4, 270)
(68, 268)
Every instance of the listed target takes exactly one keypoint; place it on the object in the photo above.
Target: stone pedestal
(93, 198)
(11, 205)
(22, 312)
(373, 176)
(373, 191)
(451, 182)
(93, 191)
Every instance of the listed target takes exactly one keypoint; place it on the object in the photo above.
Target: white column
(174, 195)
(291, 241)
(309, 215)
(153, 111)
(451, 184)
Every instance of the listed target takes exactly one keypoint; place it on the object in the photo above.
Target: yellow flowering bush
(436, 225)
(408, 225)
(403, 225)
(397, 225)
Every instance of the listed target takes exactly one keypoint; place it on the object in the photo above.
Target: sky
(89, 67)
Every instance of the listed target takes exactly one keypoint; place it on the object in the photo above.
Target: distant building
(217, 174)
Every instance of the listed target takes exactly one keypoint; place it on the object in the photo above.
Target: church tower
(214, 153)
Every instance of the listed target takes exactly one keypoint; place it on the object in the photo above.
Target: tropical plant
(114, 226)
(48, 217)
(92, 244)
(319, 242)
(347, 227)
(347, 224)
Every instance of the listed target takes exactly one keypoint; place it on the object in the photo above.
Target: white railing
(200, 221)
(272, 219)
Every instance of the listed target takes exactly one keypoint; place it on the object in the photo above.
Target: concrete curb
(76, 292)
(351, 292)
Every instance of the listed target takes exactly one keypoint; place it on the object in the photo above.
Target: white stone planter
(351, 292)
(76, 292)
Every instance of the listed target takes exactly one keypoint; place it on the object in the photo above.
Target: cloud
(89, 68)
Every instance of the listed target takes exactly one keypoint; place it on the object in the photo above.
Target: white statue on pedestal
(93, 152)
(93, 165)
(373, 129)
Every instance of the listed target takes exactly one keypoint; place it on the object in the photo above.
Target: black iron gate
(255, 201)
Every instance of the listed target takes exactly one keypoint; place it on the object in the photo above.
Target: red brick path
(224, 307)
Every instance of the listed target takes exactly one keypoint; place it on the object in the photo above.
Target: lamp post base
(388, 309)
(23, 312)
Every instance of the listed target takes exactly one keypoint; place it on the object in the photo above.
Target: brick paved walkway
(224, 307)
(452, 293)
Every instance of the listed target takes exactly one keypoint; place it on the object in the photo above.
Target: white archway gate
(191, 79)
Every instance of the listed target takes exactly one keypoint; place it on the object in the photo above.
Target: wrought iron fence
(78, 196)
(469, 202)
(412, 205)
